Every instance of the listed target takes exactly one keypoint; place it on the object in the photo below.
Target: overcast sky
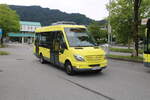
(95, 9)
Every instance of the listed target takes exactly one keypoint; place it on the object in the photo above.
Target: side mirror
(63, 46)
(61, 51)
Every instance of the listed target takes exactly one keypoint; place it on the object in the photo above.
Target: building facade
(26, 34)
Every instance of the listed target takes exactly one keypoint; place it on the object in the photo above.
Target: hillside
(47, 16)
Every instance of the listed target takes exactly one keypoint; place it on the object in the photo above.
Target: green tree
(100, 34)
(123, 21)
(9, 21)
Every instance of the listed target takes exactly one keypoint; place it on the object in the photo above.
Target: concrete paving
(22, 77)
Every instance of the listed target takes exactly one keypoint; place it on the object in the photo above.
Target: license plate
(96, 68)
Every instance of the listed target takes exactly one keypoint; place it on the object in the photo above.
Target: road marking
(88, 89)
(19, 59)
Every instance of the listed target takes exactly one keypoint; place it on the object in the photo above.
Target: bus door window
(56, 43)
(59, 40)
(62, 42)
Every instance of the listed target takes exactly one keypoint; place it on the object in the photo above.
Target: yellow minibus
(69, 46)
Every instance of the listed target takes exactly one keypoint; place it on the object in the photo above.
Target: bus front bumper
(81, 67)
(88, 69)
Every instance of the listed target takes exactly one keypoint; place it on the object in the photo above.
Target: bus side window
(49, 38)
(45, 40)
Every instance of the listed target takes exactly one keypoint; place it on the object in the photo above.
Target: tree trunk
(135, 27)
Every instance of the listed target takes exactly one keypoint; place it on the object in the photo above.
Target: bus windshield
(79, 37)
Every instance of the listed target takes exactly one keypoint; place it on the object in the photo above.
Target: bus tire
(42, 61)
(68, 68)
(98, 71)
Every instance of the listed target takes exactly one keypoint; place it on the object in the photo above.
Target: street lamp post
(109, 30)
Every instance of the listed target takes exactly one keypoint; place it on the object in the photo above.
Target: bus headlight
(79, 58)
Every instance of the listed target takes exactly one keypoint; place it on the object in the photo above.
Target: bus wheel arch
(68, 68)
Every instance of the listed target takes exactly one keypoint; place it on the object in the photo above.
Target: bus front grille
(94, 58)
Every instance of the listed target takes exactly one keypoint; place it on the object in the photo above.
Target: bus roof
(57, 28)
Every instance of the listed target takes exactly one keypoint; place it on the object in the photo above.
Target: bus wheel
(42, 61)
(98, 71)
(69, 69)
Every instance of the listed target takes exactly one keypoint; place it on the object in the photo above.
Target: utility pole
(109, 30)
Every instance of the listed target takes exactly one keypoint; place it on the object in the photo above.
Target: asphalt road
(22, 77)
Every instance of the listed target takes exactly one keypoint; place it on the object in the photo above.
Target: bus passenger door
(54, 51)
(62, 51)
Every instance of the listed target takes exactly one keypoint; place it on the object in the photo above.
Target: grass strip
(127, 58)
(124, 50)
(4, 53)
(2, 46)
